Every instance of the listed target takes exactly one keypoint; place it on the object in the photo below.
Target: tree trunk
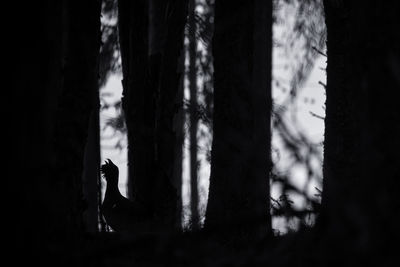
(361, 167)
(239, 186)
(194, 192)
(166, 106)
(91, 173)
(180, 138)
(55, 76)
(36, 78)
(79, 86)
(340, 122)
(151, 39)
(137, 101)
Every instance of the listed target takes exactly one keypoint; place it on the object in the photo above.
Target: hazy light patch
(110, 94)
(186, 212)
(303, 112)
(204, 171)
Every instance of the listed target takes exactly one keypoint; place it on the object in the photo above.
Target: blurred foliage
(304, 41)
(110, 64)
(110, 60)
(309, 32)
(306, 37)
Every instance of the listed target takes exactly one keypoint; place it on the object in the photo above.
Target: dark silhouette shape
(151, 40)
(120, 213)
(238, 201)
(91, 180)
(361, 148)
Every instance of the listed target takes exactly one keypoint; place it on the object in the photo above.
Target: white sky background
(311, 97)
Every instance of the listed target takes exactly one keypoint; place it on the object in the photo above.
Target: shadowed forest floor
(303, 248)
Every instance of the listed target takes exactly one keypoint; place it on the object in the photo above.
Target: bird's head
(110, 171)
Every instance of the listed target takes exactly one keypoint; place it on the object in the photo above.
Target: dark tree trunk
(137, 101)
(194, 192)
(180, 138)
(56, 74)
(179, 122)
(151, 39)
(79, 87)
(340, 122)
(166, 104)
(362, 166)
(240, 164)
(91, 172)
(36, 78)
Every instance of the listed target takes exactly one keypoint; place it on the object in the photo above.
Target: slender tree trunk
(361, 167)
(179, 122)
(180, 137)
(239, 186)
(194, 192)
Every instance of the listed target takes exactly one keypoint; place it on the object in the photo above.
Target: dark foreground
(304, 248)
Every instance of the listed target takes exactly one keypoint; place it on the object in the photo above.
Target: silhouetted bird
(120, 213)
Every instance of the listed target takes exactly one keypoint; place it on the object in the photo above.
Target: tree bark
(194, 192)
(81, 42)
(340, 121)
(239, 184)
(180, 138)
(151, 38)
(166, 106)
(361, 166)
(91, 173)
(137, 100)
(36, 79)
(55, 76)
